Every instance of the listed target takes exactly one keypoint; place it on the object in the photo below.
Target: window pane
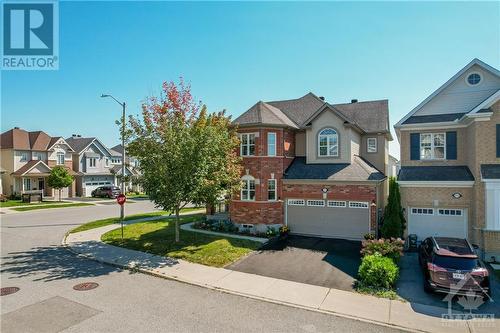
(244, 150)
(271, 138)
(244, 185)
(252, 150)
(244, 139)
(439, 140)
(425, 139)
(252, 194)
(323, 140)
(333, 150)
(251, 183)
(271, 184)
(332, 140)
(328, 131)
(425, 153)
(251, 139)
(439, 152)
(322, 151)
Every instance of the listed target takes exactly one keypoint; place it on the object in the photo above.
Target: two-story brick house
(27, 159)
(450, 160)
(316, 167)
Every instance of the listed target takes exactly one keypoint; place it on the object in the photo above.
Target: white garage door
(442, 222)
(328, 218)
(90, 186)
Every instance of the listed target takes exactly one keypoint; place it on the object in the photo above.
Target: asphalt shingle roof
(436, 118)
(358, 170)
(490, 171)
(370, 116)
(435, 173)
(79, 144)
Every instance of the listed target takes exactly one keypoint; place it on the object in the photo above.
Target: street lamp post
(122, 207)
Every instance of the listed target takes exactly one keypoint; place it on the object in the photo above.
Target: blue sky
(235, 54)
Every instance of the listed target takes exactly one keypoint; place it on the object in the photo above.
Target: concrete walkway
(413, 317)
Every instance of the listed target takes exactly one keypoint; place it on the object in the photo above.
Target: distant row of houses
(28, 157)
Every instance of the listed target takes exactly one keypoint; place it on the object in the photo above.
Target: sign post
(121, 198)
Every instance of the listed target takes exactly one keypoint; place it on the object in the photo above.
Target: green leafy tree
(59, 178)
(393, 224)
(186, 155)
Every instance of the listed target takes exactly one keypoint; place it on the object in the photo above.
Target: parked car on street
(451, 265)
(106, 191)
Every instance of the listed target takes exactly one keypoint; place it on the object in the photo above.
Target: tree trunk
(60, 195)
(177, 238)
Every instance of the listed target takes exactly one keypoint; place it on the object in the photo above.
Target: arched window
(248, 188)
(328, 142)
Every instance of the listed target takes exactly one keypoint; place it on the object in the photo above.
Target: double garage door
(437, 222)
(328, 218)
(91, 186)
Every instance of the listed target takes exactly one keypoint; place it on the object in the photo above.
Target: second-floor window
(248, 190)
(106, 161)
(371, 145)
(432, 146)
(24, 156)
(271, 190)
(92, 162)
(271, 144)
(60, 158)
(328, 142)
(38, 156)
(247, 147)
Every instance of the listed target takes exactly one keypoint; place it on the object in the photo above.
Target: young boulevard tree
(59, 178)
(393, 224)
(186, 155)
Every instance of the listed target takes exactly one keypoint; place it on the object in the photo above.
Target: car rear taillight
(483, 272)
(435, 268)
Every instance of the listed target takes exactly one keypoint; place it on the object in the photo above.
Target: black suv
(452, 262)
(106, 191)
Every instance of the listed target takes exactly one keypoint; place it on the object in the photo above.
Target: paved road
(32, 259)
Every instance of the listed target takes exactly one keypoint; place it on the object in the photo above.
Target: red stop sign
(121, 198)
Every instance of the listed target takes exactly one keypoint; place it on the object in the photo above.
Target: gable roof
(117, 149)
(79, 144)
(474, 62)
(17, 138)
(369, 116)
(29, 166)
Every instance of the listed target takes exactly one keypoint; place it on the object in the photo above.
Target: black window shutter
(451, 145)
(498, 140)
(414, 146)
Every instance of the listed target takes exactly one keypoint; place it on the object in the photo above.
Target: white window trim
(328, 143)
(473, 85)
(316, 203)
(275, 190)
(368, 149)
(23, 157)
(358, 204)
(248, 190)
(414, 211)
(95, 162)
(57, 158)
(248, 144)
(26, 181)
(432, 158)
(296, 202)
(269, 134)
(336, 204)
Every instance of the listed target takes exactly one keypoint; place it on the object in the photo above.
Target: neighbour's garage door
(90, 186)
(442, 222)
(328, 218)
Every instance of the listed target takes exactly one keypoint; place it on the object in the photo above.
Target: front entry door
(41, 184)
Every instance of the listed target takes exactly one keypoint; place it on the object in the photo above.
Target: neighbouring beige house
(27, 159)
(450, 160)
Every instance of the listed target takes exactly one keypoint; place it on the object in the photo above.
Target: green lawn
(137, 196)
(108, 221)
(16, 203)
(23, 209)
(158, 237)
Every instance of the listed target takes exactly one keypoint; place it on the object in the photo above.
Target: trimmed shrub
(378, 272)
(391, 248)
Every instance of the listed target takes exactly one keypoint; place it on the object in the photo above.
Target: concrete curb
(415, 327)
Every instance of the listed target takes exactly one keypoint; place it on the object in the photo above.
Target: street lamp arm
(117, 101)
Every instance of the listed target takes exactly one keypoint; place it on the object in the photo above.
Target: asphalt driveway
(331, 263)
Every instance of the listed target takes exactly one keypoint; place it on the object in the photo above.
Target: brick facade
(475, 146)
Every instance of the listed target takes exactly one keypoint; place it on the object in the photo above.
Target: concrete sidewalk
(414, 317)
